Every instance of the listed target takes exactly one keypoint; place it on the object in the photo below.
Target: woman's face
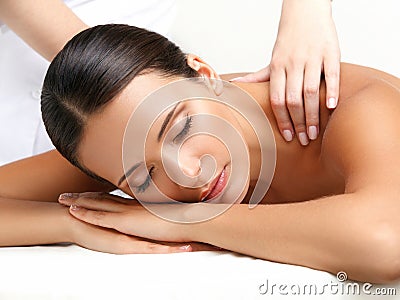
(101, 148)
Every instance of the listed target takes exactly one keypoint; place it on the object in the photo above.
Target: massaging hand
(306, 44)
(114, 224)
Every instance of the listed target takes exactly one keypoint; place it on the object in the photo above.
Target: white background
(236, 36)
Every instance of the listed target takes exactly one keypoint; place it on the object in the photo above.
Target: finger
(100, 222)
(332, 77)
(104, 195)
(312, 77)
(110, 241)
(100, 218)
(94, 201)
(278, 103)
(194, 246)
(294, 101)
(259, 76)
(127, 245)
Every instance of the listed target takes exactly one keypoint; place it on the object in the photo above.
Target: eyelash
(141, 188)
(185, 130)
(188, 124)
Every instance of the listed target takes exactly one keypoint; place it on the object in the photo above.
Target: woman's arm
(32, 223)
(46, 25)
(24, 223)
(351, 233)
(44, 177)
(358, 232)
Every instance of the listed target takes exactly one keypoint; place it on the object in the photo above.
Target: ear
(199, 65)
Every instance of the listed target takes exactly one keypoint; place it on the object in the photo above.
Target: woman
(345, 170)
(46, 26)
(344, 173)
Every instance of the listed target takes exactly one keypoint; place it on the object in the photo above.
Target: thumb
(259, 76)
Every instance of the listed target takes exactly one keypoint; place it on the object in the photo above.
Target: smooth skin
(306, 46)
(339, 214)
(50, 223)
(29, 189)
(46, 25)
(334, 205)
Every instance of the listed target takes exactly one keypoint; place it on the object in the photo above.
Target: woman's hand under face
(306, 45)
(113, 224)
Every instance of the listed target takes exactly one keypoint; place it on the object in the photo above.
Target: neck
(286, 152)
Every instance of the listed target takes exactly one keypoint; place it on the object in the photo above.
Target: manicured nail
(75, 207)
(312, 132)
(184, 248)
(331, 102)
(235, 79)
(303, 138)
(288, 136)
(66, 196)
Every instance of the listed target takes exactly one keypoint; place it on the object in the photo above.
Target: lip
(216, 186)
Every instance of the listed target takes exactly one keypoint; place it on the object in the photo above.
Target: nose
(190, 165)
(200, 170)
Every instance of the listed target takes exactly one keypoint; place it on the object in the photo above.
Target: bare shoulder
(362, 137)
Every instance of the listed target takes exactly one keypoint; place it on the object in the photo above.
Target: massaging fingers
(312, 75)
(278, 103)
(259, 76)
(294, 102)
(332, 77)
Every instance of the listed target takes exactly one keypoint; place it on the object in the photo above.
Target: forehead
(101, 147)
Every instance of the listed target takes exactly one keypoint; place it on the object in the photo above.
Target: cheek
(163, 186)
(202, 144)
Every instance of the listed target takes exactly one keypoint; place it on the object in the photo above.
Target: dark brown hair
(93, 68)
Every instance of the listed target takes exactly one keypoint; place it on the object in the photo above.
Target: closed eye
(142, 188)
(181, 135)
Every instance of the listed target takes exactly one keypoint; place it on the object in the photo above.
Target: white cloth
(22, 70)
(71, 272)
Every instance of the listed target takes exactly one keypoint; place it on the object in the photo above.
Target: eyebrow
(166, 121)
(160, 134)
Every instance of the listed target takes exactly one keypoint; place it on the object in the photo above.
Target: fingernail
(331, 102)
(185, 248)
(66, 196)
(75, 207)
(288, 136)
(312, 132)
(235, 79)
(303, 138)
